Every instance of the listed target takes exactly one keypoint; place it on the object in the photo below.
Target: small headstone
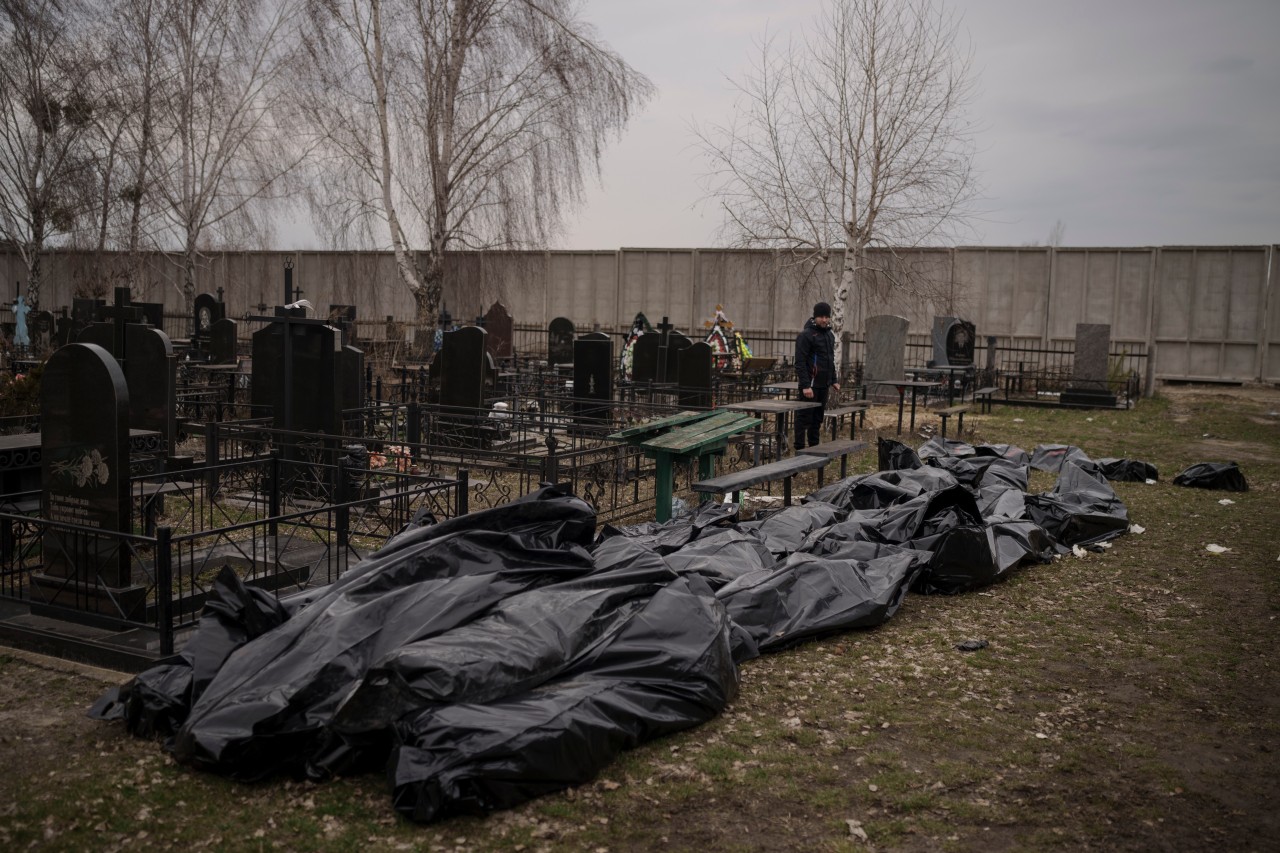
(1089, 368)
(886, 347)
(65, 331)
(462, 368)
(299, 387)
(676, 342)
(693, 366)
(592, 377)
(223, 336)
(644, 358)
(84, 312)
(501, 329)
(152, 313)
(85, 475)
(208, 310)
(560, 341)
(145, 355)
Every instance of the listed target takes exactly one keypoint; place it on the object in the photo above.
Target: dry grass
(1127, 700)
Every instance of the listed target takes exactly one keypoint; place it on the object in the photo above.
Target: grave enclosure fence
(244, 514)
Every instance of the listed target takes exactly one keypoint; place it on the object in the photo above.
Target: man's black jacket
(815, 356)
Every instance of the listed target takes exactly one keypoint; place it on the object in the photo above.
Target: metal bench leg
(786, 491)
(844, 465)
(960, 426)
(944, 424)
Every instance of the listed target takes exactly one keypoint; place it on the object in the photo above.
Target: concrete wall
(1204, 312)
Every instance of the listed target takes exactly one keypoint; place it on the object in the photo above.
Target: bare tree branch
(851, 138)
(456, 124)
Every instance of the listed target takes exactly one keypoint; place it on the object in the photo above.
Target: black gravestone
(644, 358)
(208, 310)
(462, 368)
(84, 313)
(85, 474)
(65, 331)
(223, 338)
(961, 339)
(953, 342)
(295, 374)
(693, 366)
(152, 313)
(560, 341)
(150, 372)
(501, 328)
(592, 377)
(675, 343)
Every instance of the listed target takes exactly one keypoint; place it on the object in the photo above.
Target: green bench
(683, 437)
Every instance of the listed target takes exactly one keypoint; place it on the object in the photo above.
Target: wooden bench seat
(841, 447)
(958, 411)
(782, 469)
(855, 411)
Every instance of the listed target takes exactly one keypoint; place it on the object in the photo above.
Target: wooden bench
(958, 411)
(855, 411)
(983, 396)
(782, 469)
(829, 450)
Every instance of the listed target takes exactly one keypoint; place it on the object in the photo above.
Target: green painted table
(682, 437)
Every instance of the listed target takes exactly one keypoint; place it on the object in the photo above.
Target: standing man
(816, 372)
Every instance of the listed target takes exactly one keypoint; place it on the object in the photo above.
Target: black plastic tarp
(1222, 476)
(508, 653)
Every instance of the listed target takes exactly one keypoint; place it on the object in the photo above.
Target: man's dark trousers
(809, 421)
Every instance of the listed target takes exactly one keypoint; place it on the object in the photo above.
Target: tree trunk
(33, 281)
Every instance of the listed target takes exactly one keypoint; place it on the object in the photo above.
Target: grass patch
(1127, 700)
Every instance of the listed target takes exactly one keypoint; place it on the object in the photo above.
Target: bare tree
(45, 112)
(458, 124)
(218, 124)
(849, 138)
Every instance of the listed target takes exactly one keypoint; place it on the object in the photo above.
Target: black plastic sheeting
(1223, 476)
(505, 654)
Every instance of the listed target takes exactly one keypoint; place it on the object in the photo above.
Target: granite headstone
(676, 342)
(644, 358)
(1089, 368)
(85, 475)
(693, 365)
(560, 341)
(501, 329)
(592, 377)
(208, 310)
(223, 338)
(886, 347)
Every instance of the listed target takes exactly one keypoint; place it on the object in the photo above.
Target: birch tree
(223, 124)
(45, 110)
(852, 137)
(457, 124)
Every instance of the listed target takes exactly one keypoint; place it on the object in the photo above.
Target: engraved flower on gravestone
(90, 469)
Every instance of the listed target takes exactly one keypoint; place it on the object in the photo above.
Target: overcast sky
(1134, 122)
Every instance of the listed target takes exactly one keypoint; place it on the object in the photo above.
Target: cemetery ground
(1127, 700)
